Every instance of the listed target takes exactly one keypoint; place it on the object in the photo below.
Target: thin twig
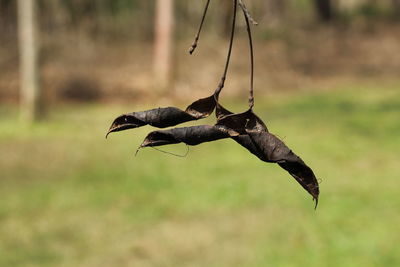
(247, 18)
(196, 39)
(247, 13)
(228, 59)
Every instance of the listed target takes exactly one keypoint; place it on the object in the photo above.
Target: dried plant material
(239, 122)
(246, 128)
(249, 131)
(192, 136)
(196, 39)
(164, 117)
(270, 148)
(247, 13)
(202, 108)
(254, 136)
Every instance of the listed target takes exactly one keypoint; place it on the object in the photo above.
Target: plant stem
(223, 78)
(247, 18)
(196, 39)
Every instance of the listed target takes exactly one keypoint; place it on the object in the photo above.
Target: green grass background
(68, 197)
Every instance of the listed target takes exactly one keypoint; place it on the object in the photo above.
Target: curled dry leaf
(164, 117)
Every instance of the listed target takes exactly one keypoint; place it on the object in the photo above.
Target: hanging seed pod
(270, 148)
(164, 117)
(250, 132)
(239, 122)
(254, 136)
(246, 128)
(192, 136)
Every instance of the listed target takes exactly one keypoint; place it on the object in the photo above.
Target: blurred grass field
(71, 198)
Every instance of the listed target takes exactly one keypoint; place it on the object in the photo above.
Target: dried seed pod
(242, 121)
(221, 112)
(164, 117)
(270, 148)
(246, 128)
(252, 134)
(192, 136)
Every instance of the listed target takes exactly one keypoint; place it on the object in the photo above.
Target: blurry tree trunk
(324, 10)
(164, 31)
(31, 94)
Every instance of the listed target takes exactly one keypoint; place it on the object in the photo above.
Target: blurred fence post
(163, 44)
(30, 94)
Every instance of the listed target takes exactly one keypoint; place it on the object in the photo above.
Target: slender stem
(196, 39)
(228, 59)
(248, 15)
(247, 18)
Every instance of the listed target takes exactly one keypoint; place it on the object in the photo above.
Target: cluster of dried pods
(246, 128)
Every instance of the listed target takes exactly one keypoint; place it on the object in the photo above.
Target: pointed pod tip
(316, 202)
(137, 150)
(111, 130)
(315, 197)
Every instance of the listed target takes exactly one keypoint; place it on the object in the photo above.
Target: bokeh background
(327, 83)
